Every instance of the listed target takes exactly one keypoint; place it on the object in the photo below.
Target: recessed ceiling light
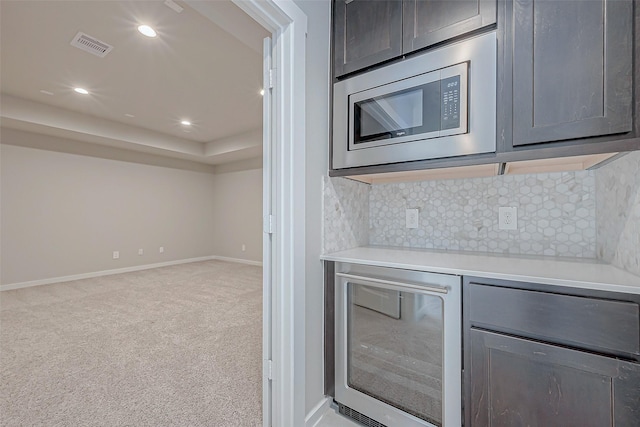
(147, 31)
(81, 91)
(261, 92)
(185, 123)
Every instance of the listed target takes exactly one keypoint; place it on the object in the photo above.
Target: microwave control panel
(450, 103)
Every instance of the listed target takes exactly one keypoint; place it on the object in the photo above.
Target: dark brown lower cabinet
(548, 356)
(520, 382)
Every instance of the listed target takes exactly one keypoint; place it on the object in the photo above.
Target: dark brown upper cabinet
(367, 33)
(572, 69)
(427, 22)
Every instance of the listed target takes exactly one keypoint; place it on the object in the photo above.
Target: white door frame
(268, 172)
(286, 161)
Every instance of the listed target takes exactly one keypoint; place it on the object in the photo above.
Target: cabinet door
(516, 382)
(427, 22)
(365, 33)
(572, 69)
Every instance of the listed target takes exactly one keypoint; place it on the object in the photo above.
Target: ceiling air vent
(91, 44)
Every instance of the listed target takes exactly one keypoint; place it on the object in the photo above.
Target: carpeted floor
(173, 346)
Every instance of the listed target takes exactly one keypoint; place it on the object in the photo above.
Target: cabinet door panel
(366, 33)
(516, 382)
(426, 22)
(596, 324)
(572, 69)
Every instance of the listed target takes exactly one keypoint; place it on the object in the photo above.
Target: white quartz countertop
(587, 274)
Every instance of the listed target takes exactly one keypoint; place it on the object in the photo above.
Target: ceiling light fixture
(81, 91)
(185, 123)
(147, 31)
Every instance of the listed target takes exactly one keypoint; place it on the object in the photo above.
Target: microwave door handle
(429, 287)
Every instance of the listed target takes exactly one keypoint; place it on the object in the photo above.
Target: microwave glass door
(408, 112)
(395, 348)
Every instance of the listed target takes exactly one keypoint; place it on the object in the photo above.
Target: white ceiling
(193, 70)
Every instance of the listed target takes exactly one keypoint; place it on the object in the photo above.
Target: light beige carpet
(173, 346)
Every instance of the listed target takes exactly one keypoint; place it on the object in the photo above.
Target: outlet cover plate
(412, 218)
(507, 218)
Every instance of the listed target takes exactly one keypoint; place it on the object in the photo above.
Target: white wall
(317, 143)
(237, 210)
(67, 205)
(64, 214)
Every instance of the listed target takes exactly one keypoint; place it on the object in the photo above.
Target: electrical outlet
(507, 218)
(412, 218)
(116, 254)
(244, 247)
(140, 252)
(161, 250)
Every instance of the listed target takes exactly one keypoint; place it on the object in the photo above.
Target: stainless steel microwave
(439, 104)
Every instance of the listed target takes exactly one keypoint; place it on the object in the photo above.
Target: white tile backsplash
(556, 214)
(618, 212)
(346, 214)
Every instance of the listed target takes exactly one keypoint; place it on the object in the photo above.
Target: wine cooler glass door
(394, 347)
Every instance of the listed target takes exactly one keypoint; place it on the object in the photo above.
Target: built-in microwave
(439, 104)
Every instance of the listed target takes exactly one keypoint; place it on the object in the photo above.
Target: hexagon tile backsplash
(618, 212)
(345, 208)
(556, 214)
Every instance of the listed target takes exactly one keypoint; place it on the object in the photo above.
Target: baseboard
(60, 279)
(314, 416)
(238, 260)
(52, 280)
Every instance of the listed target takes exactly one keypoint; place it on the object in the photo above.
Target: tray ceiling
(144, 87)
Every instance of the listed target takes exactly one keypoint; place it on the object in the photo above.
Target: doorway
(283, 210)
